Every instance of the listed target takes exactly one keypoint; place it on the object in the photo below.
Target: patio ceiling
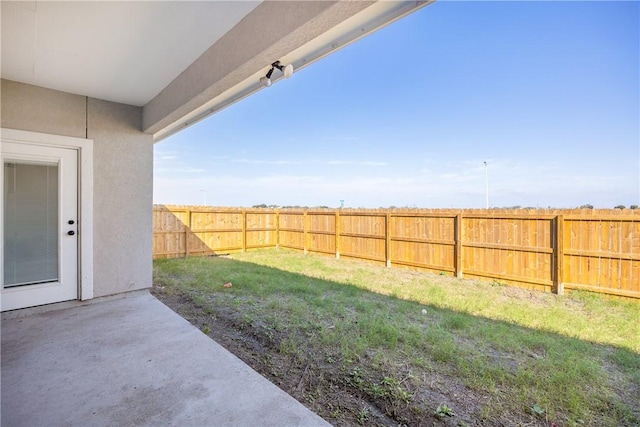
(124, 52)
(181, 61)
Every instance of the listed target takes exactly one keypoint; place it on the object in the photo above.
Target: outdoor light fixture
(287, 70)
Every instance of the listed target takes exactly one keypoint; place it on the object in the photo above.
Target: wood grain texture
(548, 250)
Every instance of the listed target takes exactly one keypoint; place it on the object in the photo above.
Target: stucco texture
(123, 175)
(123, 198)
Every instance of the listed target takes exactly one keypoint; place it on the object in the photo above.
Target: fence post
(244, 230)
(558, 256)
(305, 234)
(277, 229)
(337, 228)
(387, 240)
(458, 246)
(187, 229)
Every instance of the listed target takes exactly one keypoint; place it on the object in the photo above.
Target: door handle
(71, 232)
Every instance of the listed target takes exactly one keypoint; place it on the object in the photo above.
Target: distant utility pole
(205, 197)
(486, 183)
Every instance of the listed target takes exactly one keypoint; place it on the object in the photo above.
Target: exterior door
(39, 225)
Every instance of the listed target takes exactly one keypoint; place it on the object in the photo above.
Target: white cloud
(453, 184)
(173, 171)
(340, 162)
(265, 162)
(354, 162)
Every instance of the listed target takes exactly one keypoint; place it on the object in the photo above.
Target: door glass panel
(30, 223)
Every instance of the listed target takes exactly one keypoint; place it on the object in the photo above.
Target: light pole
(486, 183)
(205, 197)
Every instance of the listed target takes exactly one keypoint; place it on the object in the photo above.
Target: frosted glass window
(30, 223)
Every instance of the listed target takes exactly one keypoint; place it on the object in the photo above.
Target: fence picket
(549, 250)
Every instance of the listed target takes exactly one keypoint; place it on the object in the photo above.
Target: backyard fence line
(549, 250)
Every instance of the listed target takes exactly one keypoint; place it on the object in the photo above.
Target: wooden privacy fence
(595, 250)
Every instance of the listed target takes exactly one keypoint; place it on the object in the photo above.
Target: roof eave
(333, 26)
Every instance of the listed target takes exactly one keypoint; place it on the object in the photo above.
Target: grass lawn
(363, 344)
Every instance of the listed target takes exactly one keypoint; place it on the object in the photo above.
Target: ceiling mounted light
(287, 71)
(265, 81)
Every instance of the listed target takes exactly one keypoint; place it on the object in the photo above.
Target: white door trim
(85, 196)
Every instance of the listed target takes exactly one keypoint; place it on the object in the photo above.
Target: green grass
(518, 356)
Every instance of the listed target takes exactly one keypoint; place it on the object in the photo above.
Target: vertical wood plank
(458, 246)
(277, 229)
(635, 249)
(558, 256)
(187, 230)
(606, 246)
(305, 233)
(582, 240)
(244, 230)
(625, 248)
(387, 240)
(338, 228)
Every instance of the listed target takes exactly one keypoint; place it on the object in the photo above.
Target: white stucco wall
(123, 175)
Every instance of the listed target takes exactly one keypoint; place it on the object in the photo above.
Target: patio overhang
(298, 33)
(180, 61)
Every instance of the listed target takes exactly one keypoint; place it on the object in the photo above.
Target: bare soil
(326, 389)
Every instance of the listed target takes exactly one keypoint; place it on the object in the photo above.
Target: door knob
(71, 232)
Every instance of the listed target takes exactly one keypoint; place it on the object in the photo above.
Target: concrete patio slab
(131, 361)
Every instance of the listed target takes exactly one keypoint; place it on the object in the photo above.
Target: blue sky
(547, 93)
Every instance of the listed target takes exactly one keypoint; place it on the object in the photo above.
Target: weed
(377, 390)
(403, 395)
(355, 377)
(390, 382)
(537, 410)
(334, 412)
(443, 411)
(206, 329)
(363, 416)
(289, 346)
(390, 387)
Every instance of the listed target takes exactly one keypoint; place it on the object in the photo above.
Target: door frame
(84, 148)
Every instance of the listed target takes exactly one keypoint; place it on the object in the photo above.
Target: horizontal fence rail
(549, 250)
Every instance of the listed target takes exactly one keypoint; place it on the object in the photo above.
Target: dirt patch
(342, 393)
(258, 347)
